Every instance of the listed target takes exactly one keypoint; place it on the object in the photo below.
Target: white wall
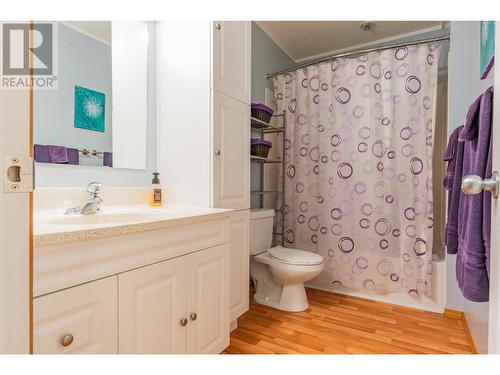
(61, 175)
(183, 136)
(464, 87)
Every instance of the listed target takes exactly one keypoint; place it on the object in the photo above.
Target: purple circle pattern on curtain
(358, 154)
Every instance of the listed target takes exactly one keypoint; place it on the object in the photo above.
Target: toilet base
(293, 299)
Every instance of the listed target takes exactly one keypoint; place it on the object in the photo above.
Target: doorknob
(183, 322)
(217, 152)
(193, 316)
(472, 184)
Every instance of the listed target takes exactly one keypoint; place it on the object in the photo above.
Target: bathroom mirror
(97, 113)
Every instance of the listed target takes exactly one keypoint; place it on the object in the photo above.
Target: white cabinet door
(231, 153)
(82, 319)
(239, 263)
(152, 303)
(231, 59)
(208, 299)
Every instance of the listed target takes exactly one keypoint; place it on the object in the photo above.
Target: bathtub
(436, 303)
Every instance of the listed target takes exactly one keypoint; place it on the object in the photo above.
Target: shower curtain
(358, 166)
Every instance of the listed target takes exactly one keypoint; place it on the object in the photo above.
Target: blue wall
(267, 57)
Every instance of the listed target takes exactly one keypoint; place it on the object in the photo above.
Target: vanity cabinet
(159, 290)
(78, 320)
(176, 306)
(231, 59)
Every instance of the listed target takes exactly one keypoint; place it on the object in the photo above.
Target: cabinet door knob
(184, 322)
(67, 340)
(193, 316)
(217, 26)
(217, 152)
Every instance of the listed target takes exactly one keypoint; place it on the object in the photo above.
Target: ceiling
(100, 30)
(303, 40)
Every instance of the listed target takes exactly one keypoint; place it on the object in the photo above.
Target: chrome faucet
(94, 201)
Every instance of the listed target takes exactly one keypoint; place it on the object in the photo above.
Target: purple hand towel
(107, 159)
(452, 182)
(58, 154)
(42, 154)
(73, 156)
(474, 218)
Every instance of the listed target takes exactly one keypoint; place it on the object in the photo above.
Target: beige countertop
(54, 227)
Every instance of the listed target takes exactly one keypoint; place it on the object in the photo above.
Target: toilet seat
(294, 256)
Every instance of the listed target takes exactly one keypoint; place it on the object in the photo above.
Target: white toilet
(279, 273)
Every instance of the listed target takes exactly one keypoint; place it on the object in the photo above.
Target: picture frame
(487, 52)
(89, 109)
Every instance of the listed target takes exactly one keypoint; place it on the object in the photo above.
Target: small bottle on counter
(156, 197)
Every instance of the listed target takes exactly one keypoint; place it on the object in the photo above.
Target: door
(15, 230)
(208, 300)
(239, 263)
(231, 59)
(494, 323)
(78, 320)
(152, 304)
(231, 153)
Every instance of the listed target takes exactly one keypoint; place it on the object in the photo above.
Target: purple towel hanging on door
(469, 216)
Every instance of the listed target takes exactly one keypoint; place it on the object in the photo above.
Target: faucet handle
(94, 187)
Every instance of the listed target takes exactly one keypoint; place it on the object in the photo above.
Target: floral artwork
(358, 167)
(89, 109)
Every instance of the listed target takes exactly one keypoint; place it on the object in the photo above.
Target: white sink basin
(107, 218)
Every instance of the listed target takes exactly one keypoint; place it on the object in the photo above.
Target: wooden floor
(341, 324)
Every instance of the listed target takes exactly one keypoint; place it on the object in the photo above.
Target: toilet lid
(295, 256)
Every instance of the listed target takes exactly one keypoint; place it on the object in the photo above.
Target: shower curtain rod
(355, 52)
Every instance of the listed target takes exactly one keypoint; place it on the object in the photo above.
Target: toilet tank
(261, 230)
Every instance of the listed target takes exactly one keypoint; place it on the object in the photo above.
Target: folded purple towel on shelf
(58, 154)
(42, 154)
(108, 159)
(73, 156)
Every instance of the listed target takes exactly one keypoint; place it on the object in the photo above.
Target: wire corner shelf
(264, 128)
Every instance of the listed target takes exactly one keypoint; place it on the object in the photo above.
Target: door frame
(16, 225)
(494, 304)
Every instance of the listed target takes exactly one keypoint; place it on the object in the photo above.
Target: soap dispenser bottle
(156, 197)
